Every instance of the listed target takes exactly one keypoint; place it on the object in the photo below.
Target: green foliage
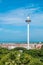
(4, 50)
(21, 56)
(25, 58)
(35, 61)
(41, 59)
(42, 47)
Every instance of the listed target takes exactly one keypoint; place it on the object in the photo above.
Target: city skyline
(13, 14)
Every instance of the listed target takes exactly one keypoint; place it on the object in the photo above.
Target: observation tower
(28, 21)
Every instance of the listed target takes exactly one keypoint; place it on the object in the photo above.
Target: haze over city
(13, 14)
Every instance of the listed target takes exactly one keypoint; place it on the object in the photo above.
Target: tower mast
(28, 21)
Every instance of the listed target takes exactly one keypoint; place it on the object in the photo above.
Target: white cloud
(1, 29)
(16, 17)
(37, 19)
(11, 31)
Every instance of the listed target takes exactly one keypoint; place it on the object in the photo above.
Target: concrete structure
(28, 21)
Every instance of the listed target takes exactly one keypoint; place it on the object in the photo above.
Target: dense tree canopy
(21, 56)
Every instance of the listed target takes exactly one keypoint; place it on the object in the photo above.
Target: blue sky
(12, 20)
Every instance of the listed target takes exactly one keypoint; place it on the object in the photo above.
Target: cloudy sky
(12, 20)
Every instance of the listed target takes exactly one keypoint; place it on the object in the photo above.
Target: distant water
(13, 42)
(17, 42)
